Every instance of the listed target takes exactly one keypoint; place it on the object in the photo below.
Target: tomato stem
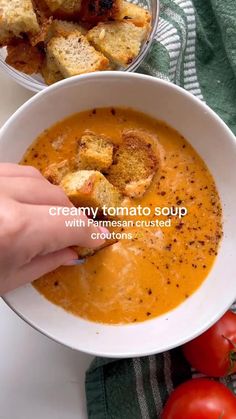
(230, 341)
(232, 355)
(232, 361)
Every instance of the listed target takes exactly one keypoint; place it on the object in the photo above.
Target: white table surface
(39, 379)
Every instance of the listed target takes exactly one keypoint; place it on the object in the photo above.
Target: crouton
(43, 32)
(135, 163)
(50, 28)
(50, 71)
(69, 9)
(56, 171)
(89, 188)
(95, 152)
(54, 4)
(84, 252)
(138, 188)
(74, 55)
(94, 11)
(71, 6)
(42, 10)
(44, 18)
(133, 14)
(63, 28)
(16, 17)
(120, 42)
(24, 57)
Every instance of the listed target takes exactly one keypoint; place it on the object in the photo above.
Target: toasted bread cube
(89, 188)
(74, 55)
(42, 10)
(63, 28)
(133, 14)
(84, 252)
(54, 4)
(56, 171)
(138, 188)
(16, 17)
(24, 57)
(120, 42)
(71, 6)
(50, 71)
(41, 36)
(95, 152)
(45, 18)
(136, 161)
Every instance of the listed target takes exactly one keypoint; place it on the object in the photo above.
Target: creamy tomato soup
(160, 267)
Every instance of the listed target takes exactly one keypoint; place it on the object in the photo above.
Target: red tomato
(214, 352)
(201, 399)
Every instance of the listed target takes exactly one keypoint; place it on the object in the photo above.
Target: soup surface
(138, 279)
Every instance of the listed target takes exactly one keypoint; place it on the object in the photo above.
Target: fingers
(15, 170)
(38, 267)
(35, 191)
(47, 233)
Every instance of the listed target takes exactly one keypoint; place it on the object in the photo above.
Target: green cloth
(195, 47)
(133, 388)
(136, 388)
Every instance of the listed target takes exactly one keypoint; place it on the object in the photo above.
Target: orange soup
(160, 267)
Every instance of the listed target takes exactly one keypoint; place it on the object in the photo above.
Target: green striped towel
(195, 47)
(137, 388)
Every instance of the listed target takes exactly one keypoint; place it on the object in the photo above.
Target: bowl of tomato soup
(170, 273)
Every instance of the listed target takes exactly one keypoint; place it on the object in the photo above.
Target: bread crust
(120, 42)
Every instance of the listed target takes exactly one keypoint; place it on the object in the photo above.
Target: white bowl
(217, 146)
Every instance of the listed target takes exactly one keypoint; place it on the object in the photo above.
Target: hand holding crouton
(32, 242)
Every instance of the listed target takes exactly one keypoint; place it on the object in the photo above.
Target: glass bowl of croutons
(45, 41)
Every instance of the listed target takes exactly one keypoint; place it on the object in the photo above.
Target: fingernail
(75, 262)
(105, 231)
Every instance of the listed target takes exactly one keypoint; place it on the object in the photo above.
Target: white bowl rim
(115, 74)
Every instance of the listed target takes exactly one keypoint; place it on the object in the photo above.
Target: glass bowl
(36, 83)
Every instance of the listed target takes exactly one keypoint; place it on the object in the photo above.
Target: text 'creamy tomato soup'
(140, 278)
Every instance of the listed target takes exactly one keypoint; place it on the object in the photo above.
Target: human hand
(32, 242)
